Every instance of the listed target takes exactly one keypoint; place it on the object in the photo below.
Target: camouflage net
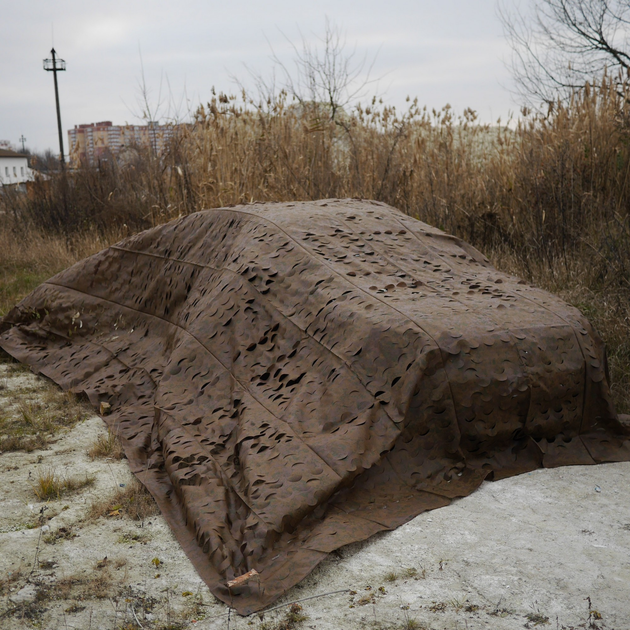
(290, 378)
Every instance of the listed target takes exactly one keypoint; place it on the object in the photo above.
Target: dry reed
(546, 197)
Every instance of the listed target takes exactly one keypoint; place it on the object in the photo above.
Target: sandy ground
(546, 549)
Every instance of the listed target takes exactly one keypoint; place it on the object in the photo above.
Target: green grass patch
(16, 282)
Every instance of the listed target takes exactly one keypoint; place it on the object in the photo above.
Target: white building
(14, 168)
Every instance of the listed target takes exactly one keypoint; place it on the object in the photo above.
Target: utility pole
(22, 140)
(55, 65)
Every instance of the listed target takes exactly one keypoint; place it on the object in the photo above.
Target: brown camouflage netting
(290, 378)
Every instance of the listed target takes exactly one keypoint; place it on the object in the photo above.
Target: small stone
(105, 408)
(25, 595)
(45, 528)
(598, 489)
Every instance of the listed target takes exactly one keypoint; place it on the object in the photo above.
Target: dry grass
(130, 538)
(292, 619)
(133, 501)
(194, 609)
(80, 587)
(106, 446)
(32, 415)
(27, 444)
(60, 534)
(546, 198)
(28, 257)
(408, 573)
(7, 581)
(536, 619)
(49, 485)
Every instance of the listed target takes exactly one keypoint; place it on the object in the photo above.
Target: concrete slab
(550, 548)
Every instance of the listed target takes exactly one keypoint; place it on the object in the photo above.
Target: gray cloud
(448, 51)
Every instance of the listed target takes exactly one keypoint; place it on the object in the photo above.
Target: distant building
(94, 142)
(14, 168)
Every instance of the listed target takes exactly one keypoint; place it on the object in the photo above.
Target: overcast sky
(446, 51)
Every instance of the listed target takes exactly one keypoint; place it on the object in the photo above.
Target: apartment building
(94, 142)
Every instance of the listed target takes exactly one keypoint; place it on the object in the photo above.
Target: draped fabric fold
(290, 378)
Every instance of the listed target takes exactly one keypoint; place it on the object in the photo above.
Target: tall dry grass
(551, 184)
(546, 197)
(29, 255)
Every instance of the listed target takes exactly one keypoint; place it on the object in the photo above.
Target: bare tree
(44, 161)
(326, 73)
(561, 45)
(163, 108)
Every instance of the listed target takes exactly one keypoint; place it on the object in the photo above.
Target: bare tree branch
(562, 45)
(323, 74)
